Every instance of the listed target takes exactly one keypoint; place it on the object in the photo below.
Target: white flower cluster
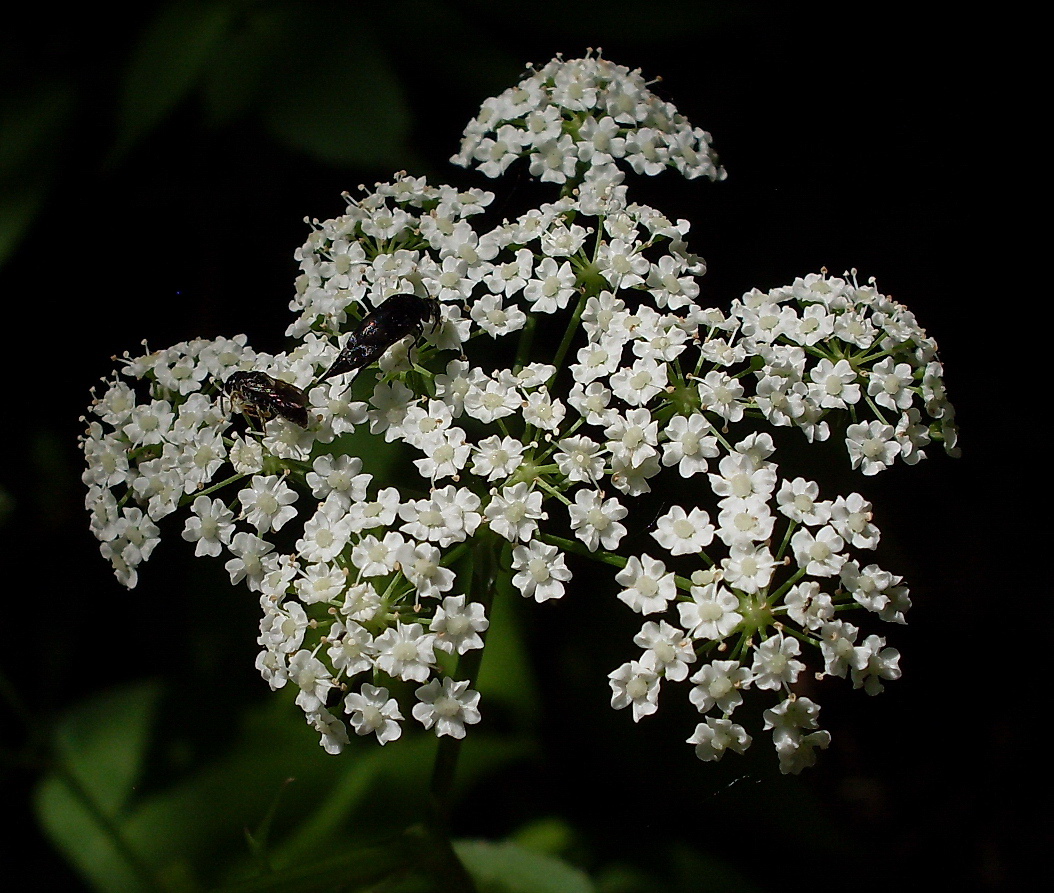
(828, 344)
(774, 571)
(527, 457)
(578, 120)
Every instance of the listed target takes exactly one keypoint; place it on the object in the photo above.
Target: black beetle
(263, 397)
(399, 316)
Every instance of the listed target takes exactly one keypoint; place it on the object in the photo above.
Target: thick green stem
(569, 334)
(526, 339)
(481, 589)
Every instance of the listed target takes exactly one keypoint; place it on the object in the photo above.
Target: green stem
(526, 338)
(567, 545)
(572, 327)
(485, 570)
(481, 589)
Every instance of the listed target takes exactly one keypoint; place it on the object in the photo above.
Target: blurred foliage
(326, 78)
(128, 826)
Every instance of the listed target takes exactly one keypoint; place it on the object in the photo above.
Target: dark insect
(397, 317)
(263, 397)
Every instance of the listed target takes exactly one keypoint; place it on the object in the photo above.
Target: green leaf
(234, 79)
(100, 748)
(360, 868)
(509, 868)
(33, 129)
(168, 64)
(338, 100)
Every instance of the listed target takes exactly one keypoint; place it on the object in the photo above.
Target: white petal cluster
(539, 460)
(585, 119)
(828, 344)
(772, 568)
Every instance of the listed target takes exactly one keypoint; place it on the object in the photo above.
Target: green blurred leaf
(33, 124)
(104, 741)
(101, 747)
(509, 868)
(360, 868)
(168, 64)
(127, 832)
(338, 100)
(235, 78)
(548, 835)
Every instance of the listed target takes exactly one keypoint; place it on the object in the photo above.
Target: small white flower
(340, 475)
(714, 736)
(647, 586)
(592, 402)
(333, 731)
(378, 557)
(633, 438)
(718, 684)
(666, 649)
(405, 651)
(889, 382)
(496, 457)
(748, 567)
(744, 521)
(837, 643)
(514, 512)
(799, 501)
(541, 571)
(797, 752)
(713, 612)
(808, 606)
(683, 533)
(267, 503)
(210, 527)
(446, 453)
(490, 400)
(552, 286)
(851, 517)
(818, 554)
(636, 685)
(249, 552)
(722, 394)
(834, 384)
(246, 456)
(741, 477)
(689, 444)
(638, 384)
(873, 663)
(448, 705)
(457, 626)
(313, 679)
(496, 318)
(580, 459)
(872, 446)
(350, 648)
(379, 512)
(775, 663)
(420, 564)
(327, 532)
(542, 411)
(370, 709)
(595, 520)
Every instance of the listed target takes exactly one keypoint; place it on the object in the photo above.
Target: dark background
(154, 181)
